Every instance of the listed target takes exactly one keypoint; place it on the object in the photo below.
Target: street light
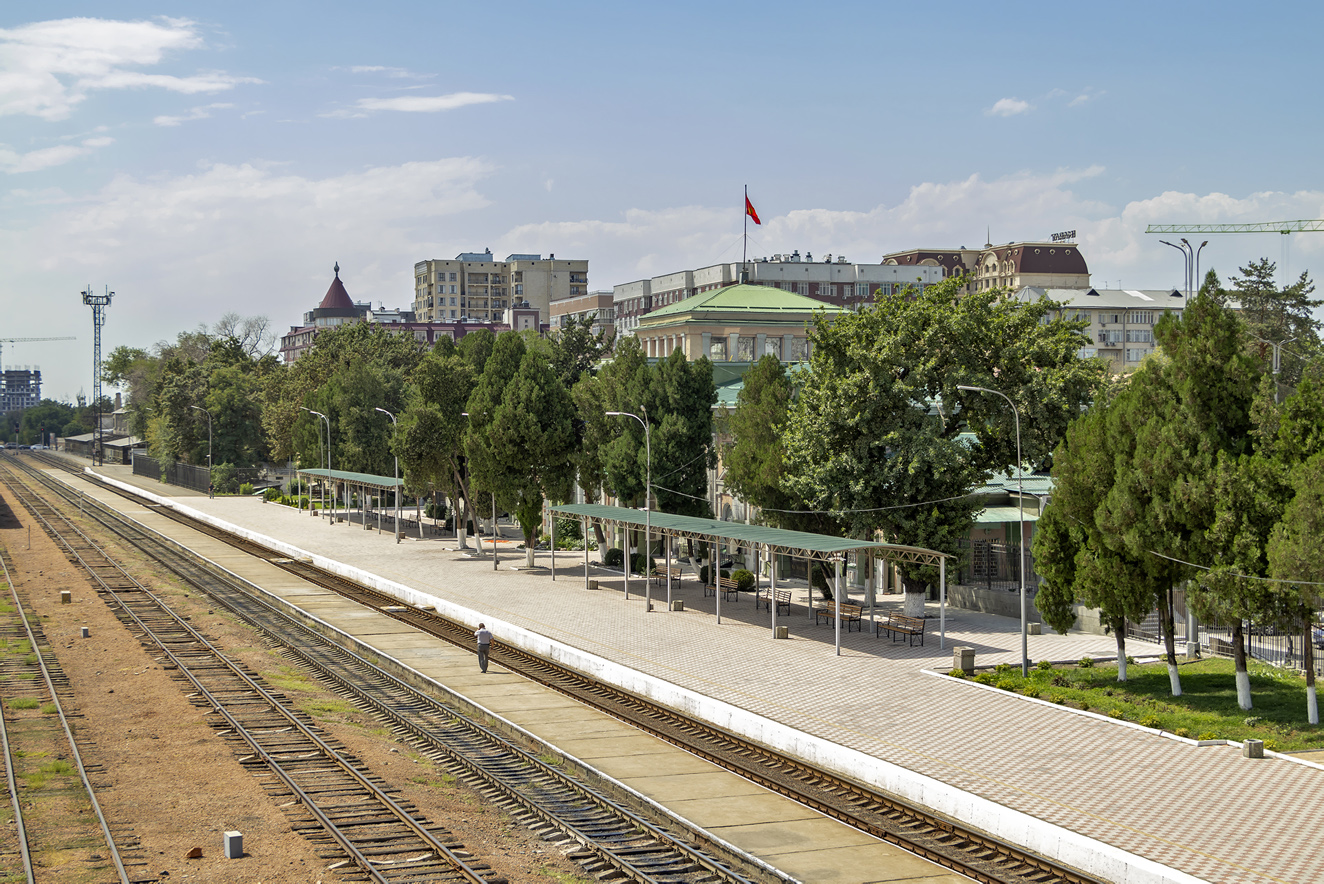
(1020, 544)
(648, 504)
(328, 460)
(479, 540)
(1186, 260)
(396, 490)
(209, 463)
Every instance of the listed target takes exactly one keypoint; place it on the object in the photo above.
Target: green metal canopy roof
(793, 543)
(994, 514)
(743, 298)
(355, 478)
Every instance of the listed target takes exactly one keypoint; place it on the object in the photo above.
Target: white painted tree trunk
(1175, 678)
(1243, 690)
(1121, 667)
(914, 604)
(528, 556)
(1312, 708)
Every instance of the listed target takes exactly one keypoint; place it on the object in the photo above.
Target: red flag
(749, 210)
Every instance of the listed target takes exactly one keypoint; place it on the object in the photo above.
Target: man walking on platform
(484, 636)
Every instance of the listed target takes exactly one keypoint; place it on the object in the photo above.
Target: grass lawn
(1206, 710)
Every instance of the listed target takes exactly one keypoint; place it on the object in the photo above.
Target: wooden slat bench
(730, 589)
(783, 599)
(849, 613)
(660, 573)
(900, 625)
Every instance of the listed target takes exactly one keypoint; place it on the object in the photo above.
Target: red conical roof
(336, 296)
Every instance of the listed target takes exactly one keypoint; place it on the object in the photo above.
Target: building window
(799, 349)
(717, 350)
(745, 349)
(1139, 336)
(452, 280)
(1135, 355)
(1141, 317)
(802, 288)
(452, 314)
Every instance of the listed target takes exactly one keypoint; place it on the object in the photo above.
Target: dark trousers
(482, 657)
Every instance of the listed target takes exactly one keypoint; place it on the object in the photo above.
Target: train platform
(1121, 801)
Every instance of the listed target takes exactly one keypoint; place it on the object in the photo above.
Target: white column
(836, 606)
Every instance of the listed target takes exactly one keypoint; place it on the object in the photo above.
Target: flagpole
(744, 250)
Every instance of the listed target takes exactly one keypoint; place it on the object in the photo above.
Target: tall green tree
(1295, 558)
(1274, 314)
(431, 441)
(874, 438)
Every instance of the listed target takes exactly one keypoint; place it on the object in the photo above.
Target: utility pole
(98, 303)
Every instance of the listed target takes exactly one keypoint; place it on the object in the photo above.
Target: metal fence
(994, 565)
(1269, 644)
(185, 475)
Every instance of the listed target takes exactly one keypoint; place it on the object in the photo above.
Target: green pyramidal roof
(743, 298)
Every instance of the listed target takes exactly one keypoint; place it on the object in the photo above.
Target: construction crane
(4, 341)
(1283, 227)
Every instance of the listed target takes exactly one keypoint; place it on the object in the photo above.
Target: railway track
(948, 843)
(44, 753)
(604, 836)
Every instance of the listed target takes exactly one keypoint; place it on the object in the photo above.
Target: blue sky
(201, 159)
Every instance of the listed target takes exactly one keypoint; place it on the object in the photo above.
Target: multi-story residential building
(477, 288)
(20, 388)
(831, 281)
(1056, 265)
(1121, 321)
(336, 308)
(597, 305)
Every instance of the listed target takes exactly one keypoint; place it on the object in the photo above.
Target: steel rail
(310, 804)
(76, 756)
(948, 843)
(638, 861)
(9, 757)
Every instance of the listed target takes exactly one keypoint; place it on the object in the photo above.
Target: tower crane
(4, 341)
(1284, 227)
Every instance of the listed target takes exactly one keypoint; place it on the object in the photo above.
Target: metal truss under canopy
(800, 544)
(354, 478)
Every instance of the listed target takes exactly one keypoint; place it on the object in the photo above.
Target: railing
(185, 475)
(996, 565)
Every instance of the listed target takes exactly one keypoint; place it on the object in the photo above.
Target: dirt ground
(176, 783)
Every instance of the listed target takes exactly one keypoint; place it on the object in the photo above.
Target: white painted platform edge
(529, 735)
(1167, 735)
(1031, 833)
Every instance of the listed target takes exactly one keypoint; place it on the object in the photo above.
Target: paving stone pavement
(1206, 811)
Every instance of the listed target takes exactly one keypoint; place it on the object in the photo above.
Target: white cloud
(201, 112)
(397, 73)
(430, 103)
(48, 68)
(1008, 107)
(13, 162)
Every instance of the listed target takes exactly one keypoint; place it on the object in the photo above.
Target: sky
(199, 159)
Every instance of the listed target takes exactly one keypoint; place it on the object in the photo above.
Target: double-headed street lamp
(648, 504)
(328, 458)
(396, 490)
(1191, 257)
(208, 413)
(1020, 543)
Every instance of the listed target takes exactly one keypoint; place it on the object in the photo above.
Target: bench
(782, 599)
(728, 587)
(849, 613)
(900, 625)
(661, 574)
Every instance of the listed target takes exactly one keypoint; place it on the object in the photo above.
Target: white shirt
(484, 636)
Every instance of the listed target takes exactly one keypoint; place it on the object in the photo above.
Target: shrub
(1207, 735)
(1182, 732)
(569, 529)
(1114, 712)
(272, 494)
(1044, 665)
(1057, 698)
(437, 509)
(986, 678)
(1086, 663)
(614, 557)
(224, 477)
(640, 564)
(744, 579)
(1060, 681)
(246, 489)
(1006, 684)
(303, 502)
(956, 673)
(1150, 721)
(1271, 745)
(703, 574)
(1003, 669)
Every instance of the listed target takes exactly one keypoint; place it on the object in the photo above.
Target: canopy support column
(942, 603)
(586, 552)
(668, 541)
(625, 545)
(836, 607)
(552, 531)
(714, 574)
(870, 588)
(772, 589)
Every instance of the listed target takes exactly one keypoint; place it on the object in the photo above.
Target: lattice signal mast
(98, 303)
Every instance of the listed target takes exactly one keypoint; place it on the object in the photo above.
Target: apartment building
(597, 305)
(1121, 321)
(475, 287)
(834, 281)
(1052, 265)
(20, 388)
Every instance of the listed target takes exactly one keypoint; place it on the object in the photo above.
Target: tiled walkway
(1206, 811)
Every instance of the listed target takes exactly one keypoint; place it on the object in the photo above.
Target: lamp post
(1020, 542)
(1186, 262)
(494, 522)
(209, 463)
(328, 461)
(396, 490)
(648, 502)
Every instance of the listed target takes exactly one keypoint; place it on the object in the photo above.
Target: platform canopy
(800, 544)
(354, 478)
